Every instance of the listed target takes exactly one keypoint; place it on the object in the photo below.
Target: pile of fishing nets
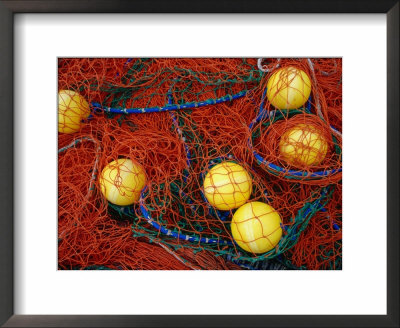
(199, 163)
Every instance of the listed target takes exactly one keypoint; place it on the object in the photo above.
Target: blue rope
(174, 234)
(169, 107)
(262, 114)
(303, 213)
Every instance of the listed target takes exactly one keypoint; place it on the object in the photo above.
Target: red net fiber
(177, 119)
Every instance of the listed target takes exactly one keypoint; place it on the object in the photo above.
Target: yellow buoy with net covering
(227, 186)
(72, 109)
(256, 227)
(303, 145)
(288, 88)
(122, 181)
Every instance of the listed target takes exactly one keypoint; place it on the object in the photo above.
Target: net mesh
(178, 118)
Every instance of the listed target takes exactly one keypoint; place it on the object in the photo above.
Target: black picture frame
(7, 11)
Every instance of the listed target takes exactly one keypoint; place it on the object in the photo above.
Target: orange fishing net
(178, 119)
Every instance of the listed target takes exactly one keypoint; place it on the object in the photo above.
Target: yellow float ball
(72, 109)
(303, 145)
(122, 181)
(227, 185)
(288, 88)
(256, 227)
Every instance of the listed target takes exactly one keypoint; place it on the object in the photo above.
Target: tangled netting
(179, 117)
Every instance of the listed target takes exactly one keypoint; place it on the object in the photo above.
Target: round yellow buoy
(256, 227)
(288, 88)
(122, 181)
(72, 109)
(227, 185)
(303, 145)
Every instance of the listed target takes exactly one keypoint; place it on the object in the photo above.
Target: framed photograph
(207, 165)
